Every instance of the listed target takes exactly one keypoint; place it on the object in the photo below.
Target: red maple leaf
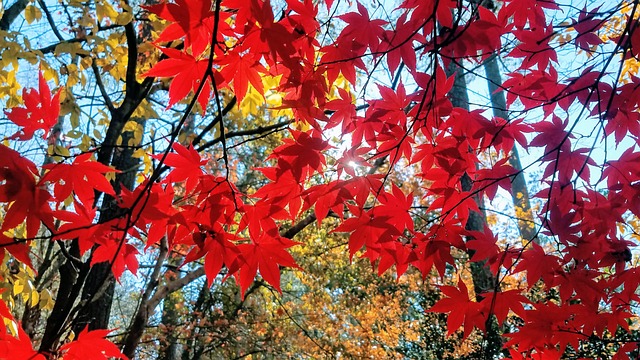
(192, 20)
(40, 111)
(362, 29)
(79, 224)
(302, 155)
(186, 163)
(187, 72)
(19, 249)
(217, 248)
(266, 254)
(19, 348)
(539, 265)
(587, 26)
(118, 255)
(242, 70)
(84, 176)
(26, 201)
(91, 345)
(461, 309)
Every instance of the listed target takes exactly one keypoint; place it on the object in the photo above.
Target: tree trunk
(519, 192)
(484, 282)
(100, 286)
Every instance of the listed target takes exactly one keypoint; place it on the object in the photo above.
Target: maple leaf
(19, 348)
(547, 326)
(539, 264)
(118, 255)
(461, 309)
(362, 29)
(499, 175)
(243, 70)
(26, 200)
(501, 303)
(342, 59)
(79, 224)
(91, 345)
(344, 111)
(18, 249)
(302, 155)
(586, 26)
(187, 73)
(84, 176)
(534, 48)
(40, 111)
(192, 20)
(186, 163)
(217, 248)
(400, 43)
(266, 254)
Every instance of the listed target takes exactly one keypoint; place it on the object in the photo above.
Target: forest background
(281, 179)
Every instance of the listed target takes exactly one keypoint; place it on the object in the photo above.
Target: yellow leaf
(18, 286)
(46, 301)
(124, 18)
(35, 298)
(139, 153)
(32, 13)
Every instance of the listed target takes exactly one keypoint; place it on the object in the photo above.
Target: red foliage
(587, 197)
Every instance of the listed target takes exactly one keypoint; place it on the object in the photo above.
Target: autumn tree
(201, 138)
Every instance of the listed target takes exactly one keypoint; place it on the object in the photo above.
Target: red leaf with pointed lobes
(91, 345)
(587, 26)
(266, 254)
(344, 111)
(84, 177)
(552, 135)
(461, 309)
(367, 229)
(539, 265)
(217, 248)
(342, 59)
(503, 302)
(534, 48)
(283, 191)
(547, 326)
(119, 256)
(187, 73)
(17, 348)
(192, 20)
(433, 249)
(186, 163)
(498, 176)
(242, 70)
(393, 253)
(79, 224)
(397, 206)
(522, 11)
(400, 43)
(484, 245)
(302, 155)
(362, 29)
(40, 111)
(26, 200)
(18, 249)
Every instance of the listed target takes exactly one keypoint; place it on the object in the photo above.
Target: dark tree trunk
(100, 285)
(519, 192)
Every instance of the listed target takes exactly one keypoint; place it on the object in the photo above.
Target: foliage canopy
(204, 135)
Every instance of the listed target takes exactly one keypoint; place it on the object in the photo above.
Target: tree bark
(12, 13)
(99, 288)
(519, 192)
(484, 282)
